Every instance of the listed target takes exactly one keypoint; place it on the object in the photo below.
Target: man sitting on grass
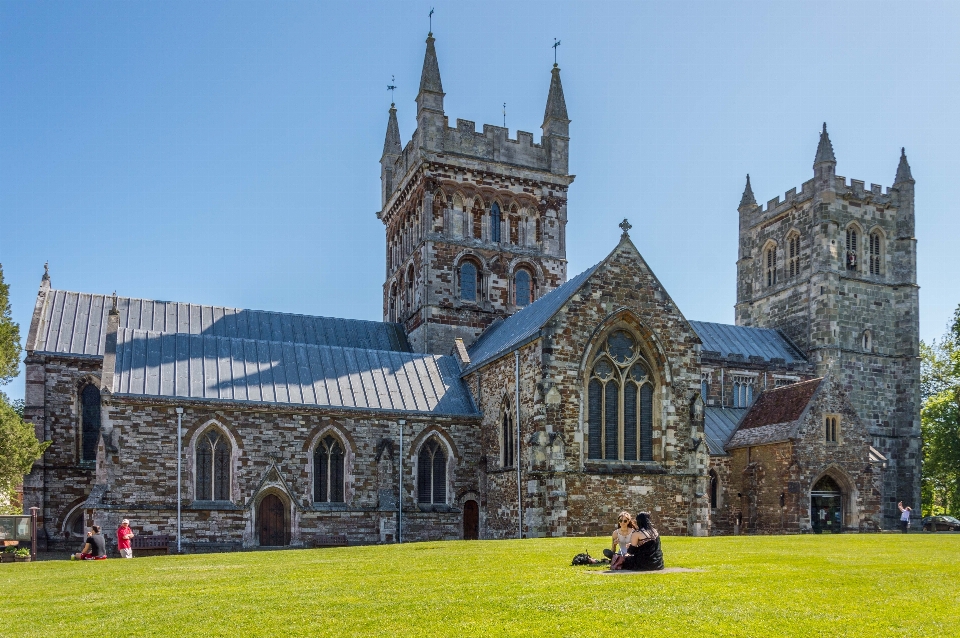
(95, 547)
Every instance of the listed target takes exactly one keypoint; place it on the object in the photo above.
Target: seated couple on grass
(635, 544)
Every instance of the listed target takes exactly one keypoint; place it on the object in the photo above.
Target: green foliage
(9, 336)
(19, 449)
(813, 585)
(940, 422)
(23, 551)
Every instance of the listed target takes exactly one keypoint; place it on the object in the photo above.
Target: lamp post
(179, 457)
(401, 423)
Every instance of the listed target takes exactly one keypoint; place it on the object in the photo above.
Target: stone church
(499, 397)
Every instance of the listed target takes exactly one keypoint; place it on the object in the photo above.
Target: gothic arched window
(851, 259)
(875, 261)
(770, 264)
(508, 437)
(89, 422)
(432, 474)
(714, 489)
(410, 301)
(793, 255)
(213, 467)
(328, 460)
(495, 223)
(468, 281)
(620, 402)
(522, 287)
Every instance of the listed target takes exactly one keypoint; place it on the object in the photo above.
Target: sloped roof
(76, 323)
(719, 425)
(519, 328)
(772, 418)
(211, 367)
(759, 342)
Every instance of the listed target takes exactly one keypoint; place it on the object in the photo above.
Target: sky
(227, 153)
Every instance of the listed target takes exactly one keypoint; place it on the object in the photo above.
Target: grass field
(844, 585)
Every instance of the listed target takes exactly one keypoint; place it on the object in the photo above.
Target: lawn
(843, 585)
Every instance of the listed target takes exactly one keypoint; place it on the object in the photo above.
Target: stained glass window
(328, 473)
(89, 422)
(212, 467)
(432, 474)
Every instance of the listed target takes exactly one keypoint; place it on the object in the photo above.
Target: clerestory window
(495, 223)
(522, 287)
(468, 281)
(620, 402)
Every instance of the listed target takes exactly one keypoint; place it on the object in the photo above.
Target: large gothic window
(213, 467)
(620, 402)
(522, 287)
(432, 474)
(495, 223)
(468, 281)
(328, 460)
(508, 437)
(89, 422)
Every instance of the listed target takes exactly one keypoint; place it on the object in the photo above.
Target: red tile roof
(780, 405)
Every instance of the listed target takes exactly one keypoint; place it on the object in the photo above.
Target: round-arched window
(620, 402)
(468, 281)
(521, 282)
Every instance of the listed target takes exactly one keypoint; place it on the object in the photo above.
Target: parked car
(940, 524)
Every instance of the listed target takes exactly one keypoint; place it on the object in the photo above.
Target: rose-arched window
(620, 400)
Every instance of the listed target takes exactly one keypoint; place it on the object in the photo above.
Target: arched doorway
(826, 506)
(272, 523)
(471, 521)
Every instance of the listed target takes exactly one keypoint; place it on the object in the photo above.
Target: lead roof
(746, 341)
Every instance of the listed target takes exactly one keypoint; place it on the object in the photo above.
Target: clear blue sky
(227, 153)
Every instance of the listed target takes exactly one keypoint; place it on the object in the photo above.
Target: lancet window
(770, 263)
(213, 467)
(432, 473)
(89, 422)
(875, 260)
(793, 256)
(620, 402)
(495, 223)
(508, 437)
(851, 259)
(328, 474)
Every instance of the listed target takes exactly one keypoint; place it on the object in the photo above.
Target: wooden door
(273, 527)
(471, 521)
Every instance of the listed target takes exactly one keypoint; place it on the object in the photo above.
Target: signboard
(16, 528)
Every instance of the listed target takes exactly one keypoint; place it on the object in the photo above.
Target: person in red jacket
(124, 534)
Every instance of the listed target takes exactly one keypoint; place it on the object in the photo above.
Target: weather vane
(391, 87)
(430, 15)
(556, 43)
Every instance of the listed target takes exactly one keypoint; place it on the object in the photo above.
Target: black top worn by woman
(646, 556)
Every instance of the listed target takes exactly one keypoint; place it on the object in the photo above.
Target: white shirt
(905, 515)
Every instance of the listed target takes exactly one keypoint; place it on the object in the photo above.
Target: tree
(9, 336)
(19, 448)
(940, 421)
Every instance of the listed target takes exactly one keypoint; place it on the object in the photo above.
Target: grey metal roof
(760, 342)
(517, 329)
(211, 367)
(76, 323)
(719, 425)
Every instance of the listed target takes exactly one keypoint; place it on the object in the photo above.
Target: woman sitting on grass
(643, 553)
(623, 536)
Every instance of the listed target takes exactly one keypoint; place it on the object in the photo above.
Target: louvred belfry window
(771, 266)
(328, 460)
(793, 258)
(213, 467)
(620, 402)
(851, 249)
(874, 253)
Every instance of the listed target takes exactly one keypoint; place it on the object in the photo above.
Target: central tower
(475, 222)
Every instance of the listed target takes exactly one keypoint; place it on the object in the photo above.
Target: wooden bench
(326, 540)
(155, 544)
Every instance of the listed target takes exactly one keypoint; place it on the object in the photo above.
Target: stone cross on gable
(625, 227)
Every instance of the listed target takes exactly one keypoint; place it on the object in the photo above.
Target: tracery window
(432, 473)
(770, 259)
(793, 255)
(328, 462)
(742, 392)
(468, 281)
(851, 259)
(213, 467)
(508, 436)
(522, 287)
(495, 223)
(875, 253)
(89, 422)
(620, 402)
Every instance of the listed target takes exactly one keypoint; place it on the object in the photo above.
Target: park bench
(326, 540)
(155, 544)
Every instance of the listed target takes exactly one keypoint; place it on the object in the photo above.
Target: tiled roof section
(210, 367)
(719, 425)
(773, 433)
(780, 405)
(76, 323)
(516, 330)
(746, 341)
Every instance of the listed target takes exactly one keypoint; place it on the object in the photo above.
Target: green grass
(843, 585)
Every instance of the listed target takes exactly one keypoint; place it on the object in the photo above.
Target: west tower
(834, 267)
(475, 222)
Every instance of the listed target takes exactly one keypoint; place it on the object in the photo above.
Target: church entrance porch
(826, 506)
(273, 530)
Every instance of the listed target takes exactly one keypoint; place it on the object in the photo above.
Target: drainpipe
(516, 401)
(179, 457)
(401, 423)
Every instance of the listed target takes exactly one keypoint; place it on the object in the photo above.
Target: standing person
(124, 534)
(94, 548)
(904, 517)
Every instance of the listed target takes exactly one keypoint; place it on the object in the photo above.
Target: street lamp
(179, 457)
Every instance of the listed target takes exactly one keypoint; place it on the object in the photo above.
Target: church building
(499, 397)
